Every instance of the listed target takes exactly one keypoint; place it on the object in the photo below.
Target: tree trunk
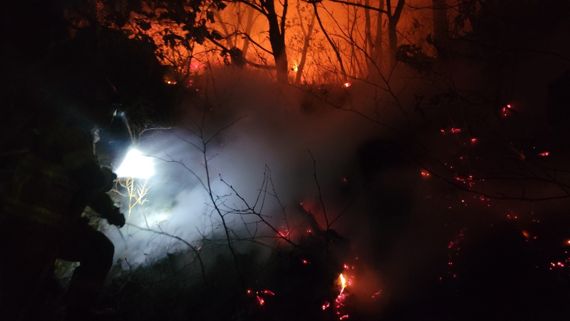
(248, 27)
(330, 41)
(306, 45)
(440, 26)
(393, 42)
(277, 40)
(367, 28)
(279, 54)
(369, 43)
(378, 47)
(220, 22)
(393, 19)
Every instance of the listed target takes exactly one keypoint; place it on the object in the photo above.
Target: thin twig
(176, 237)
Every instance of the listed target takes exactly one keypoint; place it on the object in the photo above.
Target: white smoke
(258, 130)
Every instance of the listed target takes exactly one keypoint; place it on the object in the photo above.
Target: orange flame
(295, 68)
(342, 283)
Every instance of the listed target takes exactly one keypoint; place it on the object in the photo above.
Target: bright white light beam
(136, 165)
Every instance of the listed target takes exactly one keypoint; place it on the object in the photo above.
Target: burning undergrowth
(274, 202)
(244, 201)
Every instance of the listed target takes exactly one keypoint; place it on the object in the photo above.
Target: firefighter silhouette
(41, 221)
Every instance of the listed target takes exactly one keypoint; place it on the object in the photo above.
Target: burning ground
(333, 216)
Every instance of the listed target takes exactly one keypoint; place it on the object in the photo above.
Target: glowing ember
(468, 180)
(567, 242)
(136, 165)
(512, 216)
(507, 110)
(283, 233)
(424, 173)
(557, 265)
(325, 305)
(268, 292)
(485, 200)
(528, 236)
(454, 250)
(376, 294)
(544, 154)
(347, 85)
(260, 295)
(305, 261)
(451, 130)
(474, 140)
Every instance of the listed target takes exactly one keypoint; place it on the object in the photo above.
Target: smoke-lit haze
(269, 133)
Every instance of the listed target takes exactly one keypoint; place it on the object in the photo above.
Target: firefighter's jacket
(54, 183)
